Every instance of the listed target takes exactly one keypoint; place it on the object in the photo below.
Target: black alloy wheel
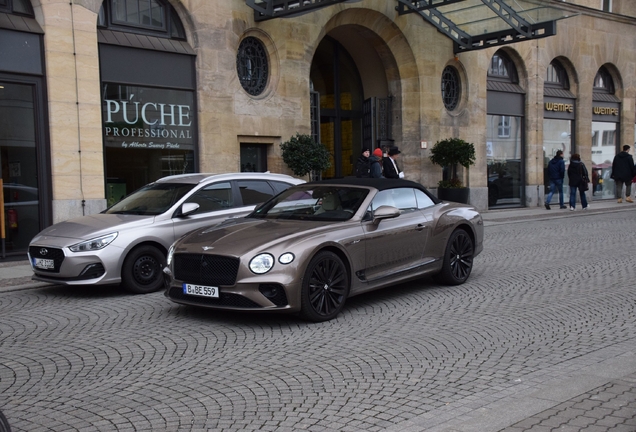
(141, 272)
(325, 287)
(458, 259)
(4, 423)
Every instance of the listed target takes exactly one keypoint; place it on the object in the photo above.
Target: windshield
(151, 200)
(328, 203)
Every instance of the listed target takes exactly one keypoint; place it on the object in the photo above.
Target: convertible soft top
(378, 183)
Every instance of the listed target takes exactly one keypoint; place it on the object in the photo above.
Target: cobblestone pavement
(542, 337)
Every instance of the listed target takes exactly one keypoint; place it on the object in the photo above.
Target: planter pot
(459, 195)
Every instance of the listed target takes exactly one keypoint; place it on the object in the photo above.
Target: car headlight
(170, 253)
(94, 244)
(262, 263)
(286, 258)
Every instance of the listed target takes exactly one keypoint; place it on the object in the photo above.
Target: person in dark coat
(375, 160)
(578, 177)
(556, 173)
(389, 164)
(363, 165)
(623, 172)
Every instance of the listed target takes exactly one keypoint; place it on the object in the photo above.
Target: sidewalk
(16, 275)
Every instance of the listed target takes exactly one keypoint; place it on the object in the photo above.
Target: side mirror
(385, 212)
(189, 208)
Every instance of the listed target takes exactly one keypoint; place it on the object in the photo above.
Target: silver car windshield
(151, 200)
(328, 203)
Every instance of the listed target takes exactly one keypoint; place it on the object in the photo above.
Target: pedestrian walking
(363, 165)
(375, 160)
(578, 179)
(623, 171)
(556, 173)
(389, 164)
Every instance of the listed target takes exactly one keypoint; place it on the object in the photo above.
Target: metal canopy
(471, 24)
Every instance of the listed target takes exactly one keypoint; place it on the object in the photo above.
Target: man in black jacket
(623, 171)
(389, 164)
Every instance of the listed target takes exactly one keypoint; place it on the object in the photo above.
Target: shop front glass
(149, 133)
(557, 135)
(603, 152)
(504, 156)
(18, 165)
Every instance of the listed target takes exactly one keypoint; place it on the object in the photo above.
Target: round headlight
(262, 263)
(286, 258)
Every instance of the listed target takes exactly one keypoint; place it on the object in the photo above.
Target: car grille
(57, 255)
(229, 300)
(204, 269)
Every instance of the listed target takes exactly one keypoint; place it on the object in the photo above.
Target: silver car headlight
(94, 244)
(262, 263)
(170, 253)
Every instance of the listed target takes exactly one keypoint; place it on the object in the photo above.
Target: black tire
(4, 423)
(458, 259)
(325, 287)
(142, 270)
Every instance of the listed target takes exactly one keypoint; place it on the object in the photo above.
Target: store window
(605, 133)
(558, 123)
(149, 128)
(24, 147)
(253, 157)
(148, 134)
(504, 134)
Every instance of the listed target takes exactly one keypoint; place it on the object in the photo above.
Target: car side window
(214, 197)
(402, 198)
(383, 198)
(255, 191)
(279, 186)
(423, 201)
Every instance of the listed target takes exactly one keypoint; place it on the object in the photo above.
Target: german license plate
(42, 263)
(201, 290)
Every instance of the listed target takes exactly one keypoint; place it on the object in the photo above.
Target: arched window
(603, 82)
(153, 17)
(502, 68)
(556, 75)
(17, 7)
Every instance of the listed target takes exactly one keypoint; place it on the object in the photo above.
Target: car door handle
(420, 227)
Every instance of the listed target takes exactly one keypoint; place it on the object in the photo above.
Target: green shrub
(303, 155)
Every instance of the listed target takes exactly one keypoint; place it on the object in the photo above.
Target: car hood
(240, 236)
(88, 227)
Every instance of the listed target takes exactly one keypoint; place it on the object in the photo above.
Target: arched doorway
(336, 80)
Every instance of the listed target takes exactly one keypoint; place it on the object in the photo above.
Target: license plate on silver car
(201, 290)
(41, 263)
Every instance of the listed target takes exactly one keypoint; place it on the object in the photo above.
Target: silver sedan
(127, 243)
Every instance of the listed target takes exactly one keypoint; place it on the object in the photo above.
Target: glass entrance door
(18, 165)
(336, 79)
(504, 155)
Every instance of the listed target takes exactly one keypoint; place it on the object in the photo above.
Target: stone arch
(396, 56)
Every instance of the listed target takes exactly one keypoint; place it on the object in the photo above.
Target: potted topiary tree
(449, 153)
(305, 156)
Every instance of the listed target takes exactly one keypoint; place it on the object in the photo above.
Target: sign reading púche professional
(147, 118)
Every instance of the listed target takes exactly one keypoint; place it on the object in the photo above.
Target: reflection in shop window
(595, 139)
(503, 128)
(608, 138)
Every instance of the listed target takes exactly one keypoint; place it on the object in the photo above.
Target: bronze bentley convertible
(314, 245)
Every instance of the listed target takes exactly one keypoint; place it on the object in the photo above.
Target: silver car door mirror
(189, 208)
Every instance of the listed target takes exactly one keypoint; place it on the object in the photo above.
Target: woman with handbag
(578, 177)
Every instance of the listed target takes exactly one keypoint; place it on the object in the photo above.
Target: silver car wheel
(141, 272)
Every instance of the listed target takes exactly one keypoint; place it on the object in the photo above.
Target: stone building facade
(116, 99)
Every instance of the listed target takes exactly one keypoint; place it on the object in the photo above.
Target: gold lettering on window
(559, 107)
(605, 110)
